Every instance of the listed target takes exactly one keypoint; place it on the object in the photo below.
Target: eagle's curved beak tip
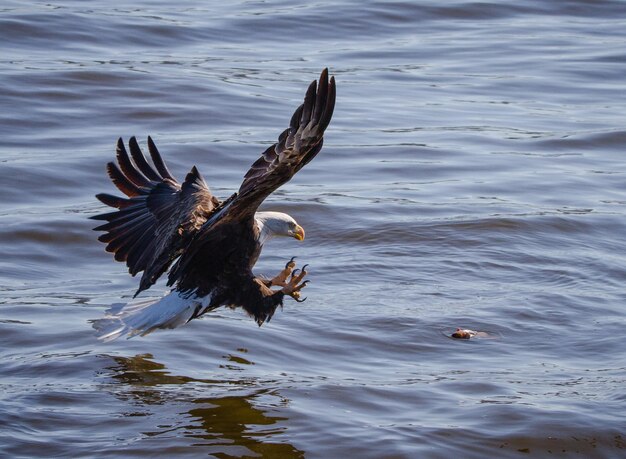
(299, 233)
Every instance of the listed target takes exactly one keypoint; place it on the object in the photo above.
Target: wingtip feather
(113, 201)
(329, 105)
(158, 161)
(122, 182)
(141, 162)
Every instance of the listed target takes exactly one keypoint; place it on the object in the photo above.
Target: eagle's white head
(272, 224)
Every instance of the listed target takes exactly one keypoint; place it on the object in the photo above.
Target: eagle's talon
(281, 279)
(291, 263)
(295, 284)
(297, 279)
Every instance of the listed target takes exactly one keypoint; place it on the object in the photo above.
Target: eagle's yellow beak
(299, 233)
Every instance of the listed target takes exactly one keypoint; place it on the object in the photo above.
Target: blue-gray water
(474, 175)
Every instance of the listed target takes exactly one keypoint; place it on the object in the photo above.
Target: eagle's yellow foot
(295, 284)
(281, 279)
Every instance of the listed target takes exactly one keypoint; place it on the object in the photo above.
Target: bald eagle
(212, 244)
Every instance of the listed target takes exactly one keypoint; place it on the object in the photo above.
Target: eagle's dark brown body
(216, 243)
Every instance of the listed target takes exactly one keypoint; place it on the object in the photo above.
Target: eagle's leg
(281, 279)
(295, 284)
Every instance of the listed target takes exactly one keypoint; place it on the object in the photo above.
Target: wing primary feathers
(113, 201)
(149, 229)
(308, 104)
(122, 182)
(120, 222)
(129, 237)
(130, 212)
(158, 161)
(295, 119)
(128, 168)
(140, 161)
(296, 146)
(322, 95)
(121, 247)
(330, 105)
(124, 229)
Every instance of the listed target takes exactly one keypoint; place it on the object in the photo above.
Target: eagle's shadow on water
(229, 425)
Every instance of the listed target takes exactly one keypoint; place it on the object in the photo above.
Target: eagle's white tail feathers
(140, 317)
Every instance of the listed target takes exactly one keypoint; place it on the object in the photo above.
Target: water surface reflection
(238, 419)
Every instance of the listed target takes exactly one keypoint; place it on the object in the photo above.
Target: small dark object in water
(466, 333)
(461, 333)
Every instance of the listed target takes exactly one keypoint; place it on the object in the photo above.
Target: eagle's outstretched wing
(152, 225)
(296, 146)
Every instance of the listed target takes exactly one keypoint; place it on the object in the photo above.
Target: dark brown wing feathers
(122, 182)
(114, 201)
(140, 161)
(154, 223)
(128, 167)
(296, 146)
(158, 161)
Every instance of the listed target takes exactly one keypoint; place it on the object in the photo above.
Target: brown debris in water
(461, 333)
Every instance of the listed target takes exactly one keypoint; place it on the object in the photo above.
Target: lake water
(473, 176)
